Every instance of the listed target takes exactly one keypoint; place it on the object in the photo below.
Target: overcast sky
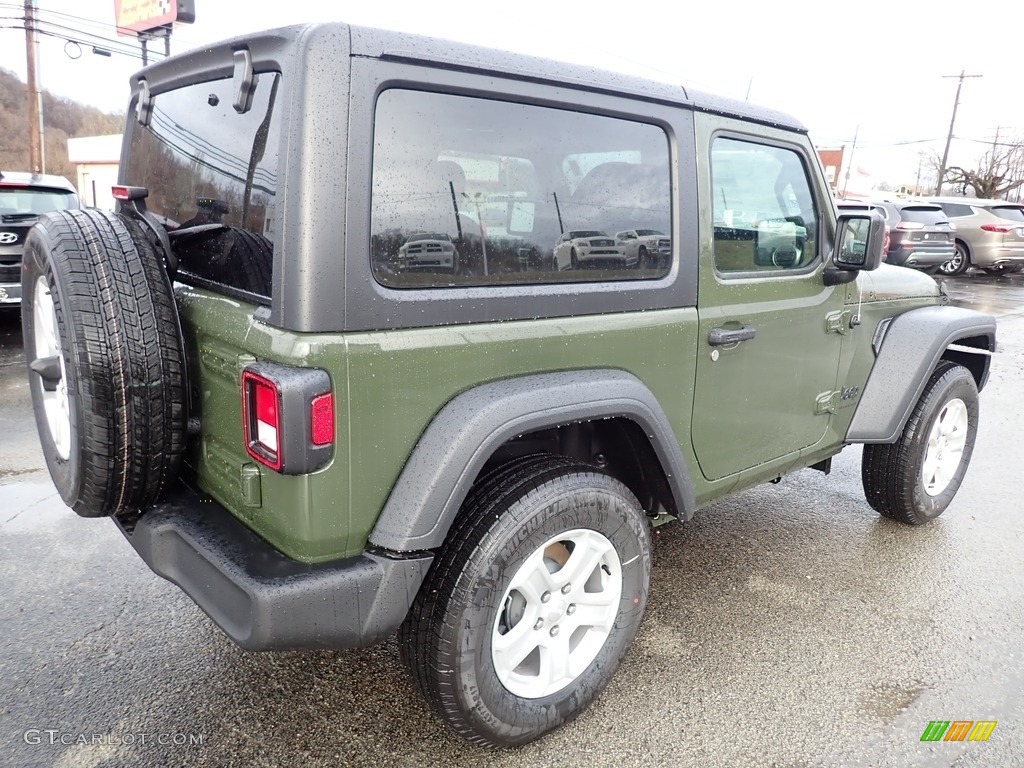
(872, 69)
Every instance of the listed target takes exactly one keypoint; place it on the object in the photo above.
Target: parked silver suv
(989, 235)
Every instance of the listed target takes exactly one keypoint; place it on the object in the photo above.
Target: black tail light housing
(288, 417)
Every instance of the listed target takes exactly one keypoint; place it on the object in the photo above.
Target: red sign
(134, 16)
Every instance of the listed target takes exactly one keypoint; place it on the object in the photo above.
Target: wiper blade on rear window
(11, 218)
(196, 231)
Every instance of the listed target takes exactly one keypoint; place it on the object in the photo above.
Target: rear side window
(764, 213)
(1009, 212)
(924, 214)
(470, 191)
(957, 209)
(212, 179)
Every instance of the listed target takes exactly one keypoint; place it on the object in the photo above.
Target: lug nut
(545, 597)
(571, 609)
(567, 589)
(554, 630)
(539, 624)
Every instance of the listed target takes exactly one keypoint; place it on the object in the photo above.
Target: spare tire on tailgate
(106, 362)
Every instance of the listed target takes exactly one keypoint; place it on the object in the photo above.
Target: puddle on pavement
(6, 473)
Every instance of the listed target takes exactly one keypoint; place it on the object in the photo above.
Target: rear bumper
(262, 599)
(919, 258)
(996, 254)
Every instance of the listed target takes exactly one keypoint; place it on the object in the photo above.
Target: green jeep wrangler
(327, 373)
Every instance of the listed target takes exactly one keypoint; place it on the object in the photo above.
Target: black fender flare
(465, 433)
(908, 350)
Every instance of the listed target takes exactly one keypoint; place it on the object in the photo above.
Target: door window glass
(764, 213)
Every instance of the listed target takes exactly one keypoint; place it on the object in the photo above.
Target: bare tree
(1000, 171)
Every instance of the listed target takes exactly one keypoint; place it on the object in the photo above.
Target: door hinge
(827, 402)
(838, 321)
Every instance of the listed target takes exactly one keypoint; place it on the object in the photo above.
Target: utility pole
(949, 136)
(849, 164)
(35, 118)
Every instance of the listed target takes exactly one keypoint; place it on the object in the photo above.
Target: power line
(45, 27)
(72, 17)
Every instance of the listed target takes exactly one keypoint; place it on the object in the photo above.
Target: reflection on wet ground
(1003, 295)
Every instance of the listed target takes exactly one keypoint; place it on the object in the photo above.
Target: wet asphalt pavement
(787, 626)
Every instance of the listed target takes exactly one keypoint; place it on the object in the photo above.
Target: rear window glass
(35, 200)
(924, 214)
(1009, 212)
(212, 179)
(469, 191)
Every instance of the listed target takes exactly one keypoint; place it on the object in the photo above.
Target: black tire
(643, 259)
(446, 641)
(231, 256)
(251, 261)
(959, 263)
(574, 261)
(893, 475)
(123, 368)
(995, 271)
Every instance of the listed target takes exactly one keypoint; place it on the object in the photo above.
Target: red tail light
(261, 406)
(123, 192)
(1000, 228)
(321, 414)
(288, 417)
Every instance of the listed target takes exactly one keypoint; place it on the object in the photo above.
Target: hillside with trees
(62, 119)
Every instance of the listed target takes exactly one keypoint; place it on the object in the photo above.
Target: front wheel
(533, 602)
(914, 479)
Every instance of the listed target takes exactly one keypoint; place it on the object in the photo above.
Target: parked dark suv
(920, 235)
(23, 197)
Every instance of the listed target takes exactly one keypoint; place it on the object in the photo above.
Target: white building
(97, 159)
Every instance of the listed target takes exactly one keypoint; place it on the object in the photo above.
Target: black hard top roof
(379, 43)
(385, 44)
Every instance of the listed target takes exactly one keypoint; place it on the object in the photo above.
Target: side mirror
(859, 239)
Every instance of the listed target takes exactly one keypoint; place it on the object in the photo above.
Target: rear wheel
(533, 602)
(106, 370)
(914, 479)
(959, 264)
(643, 258)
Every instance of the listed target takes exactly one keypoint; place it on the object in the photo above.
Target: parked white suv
(588, 246)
